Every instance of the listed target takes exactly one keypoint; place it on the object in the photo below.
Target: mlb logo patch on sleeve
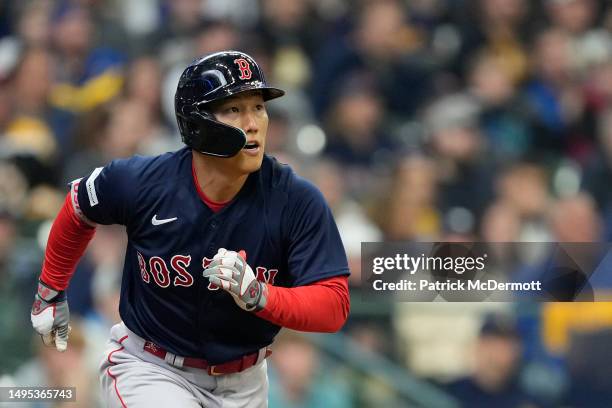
(91, 188)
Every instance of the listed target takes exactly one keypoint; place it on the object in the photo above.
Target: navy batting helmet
(209, 79)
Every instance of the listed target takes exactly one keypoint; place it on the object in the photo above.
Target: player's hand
(50, 316)
(230, 272)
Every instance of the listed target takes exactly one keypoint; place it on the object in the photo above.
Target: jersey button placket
(212, 227)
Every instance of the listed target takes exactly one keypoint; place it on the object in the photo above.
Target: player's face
(246, 111)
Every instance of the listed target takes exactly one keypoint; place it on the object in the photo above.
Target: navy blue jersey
(278, 218)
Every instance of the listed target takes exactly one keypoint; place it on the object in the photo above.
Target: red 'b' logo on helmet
(244, 67)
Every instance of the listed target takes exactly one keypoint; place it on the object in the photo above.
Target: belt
(230, 367)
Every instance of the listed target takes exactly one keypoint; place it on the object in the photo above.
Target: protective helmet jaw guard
(201, 132)
(209, 79)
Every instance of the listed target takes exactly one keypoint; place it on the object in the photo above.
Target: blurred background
(418, 119)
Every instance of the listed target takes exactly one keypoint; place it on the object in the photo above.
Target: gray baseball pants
(133, 378)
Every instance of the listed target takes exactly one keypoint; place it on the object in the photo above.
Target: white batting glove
(50, 316)
(230, 272)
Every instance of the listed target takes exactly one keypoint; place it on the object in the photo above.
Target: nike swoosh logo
(155, 221)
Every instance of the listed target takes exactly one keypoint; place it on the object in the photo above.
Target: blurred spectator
(357, 139)
(499, 28)
(573, 16)
(36, 129)
(501, 227)
(29, 130)
(172, 40)
(143, 83)
(299, 377)
(143, 87)
(132, 130)
(575, 219)
(501, 223)
(497, 357)
(86, 76)
(381, 42)
(214, 36)
(504, 115)
(577, 18)
(524, 187)
(34, 26)
(553, 93)
(463, 167)
(109, 33)
(410, 209)
(286, 24)
(295, 34)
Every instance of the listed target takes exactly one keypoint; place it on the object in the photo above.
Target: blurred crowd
(454, 120)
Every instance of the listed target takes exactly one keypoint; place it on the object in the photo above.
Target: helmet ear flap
(202, 132)
(183, 129)
(188, 130)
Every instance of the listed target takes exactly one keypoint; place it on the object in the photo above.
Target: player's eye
(232, 109)
(259, 107)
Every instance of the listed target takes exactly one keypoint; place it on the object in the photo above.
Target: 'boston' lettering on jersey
(179, 264)
(278, 218)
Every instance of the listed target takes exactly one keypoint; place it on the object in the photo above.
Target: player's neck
(218, 182)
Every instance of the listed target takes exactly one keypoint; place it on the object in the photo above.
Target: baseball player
(225, 247)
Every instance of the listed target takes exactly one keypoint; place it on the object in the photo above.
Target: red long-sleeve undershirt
(322, 306)
(67, 242)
